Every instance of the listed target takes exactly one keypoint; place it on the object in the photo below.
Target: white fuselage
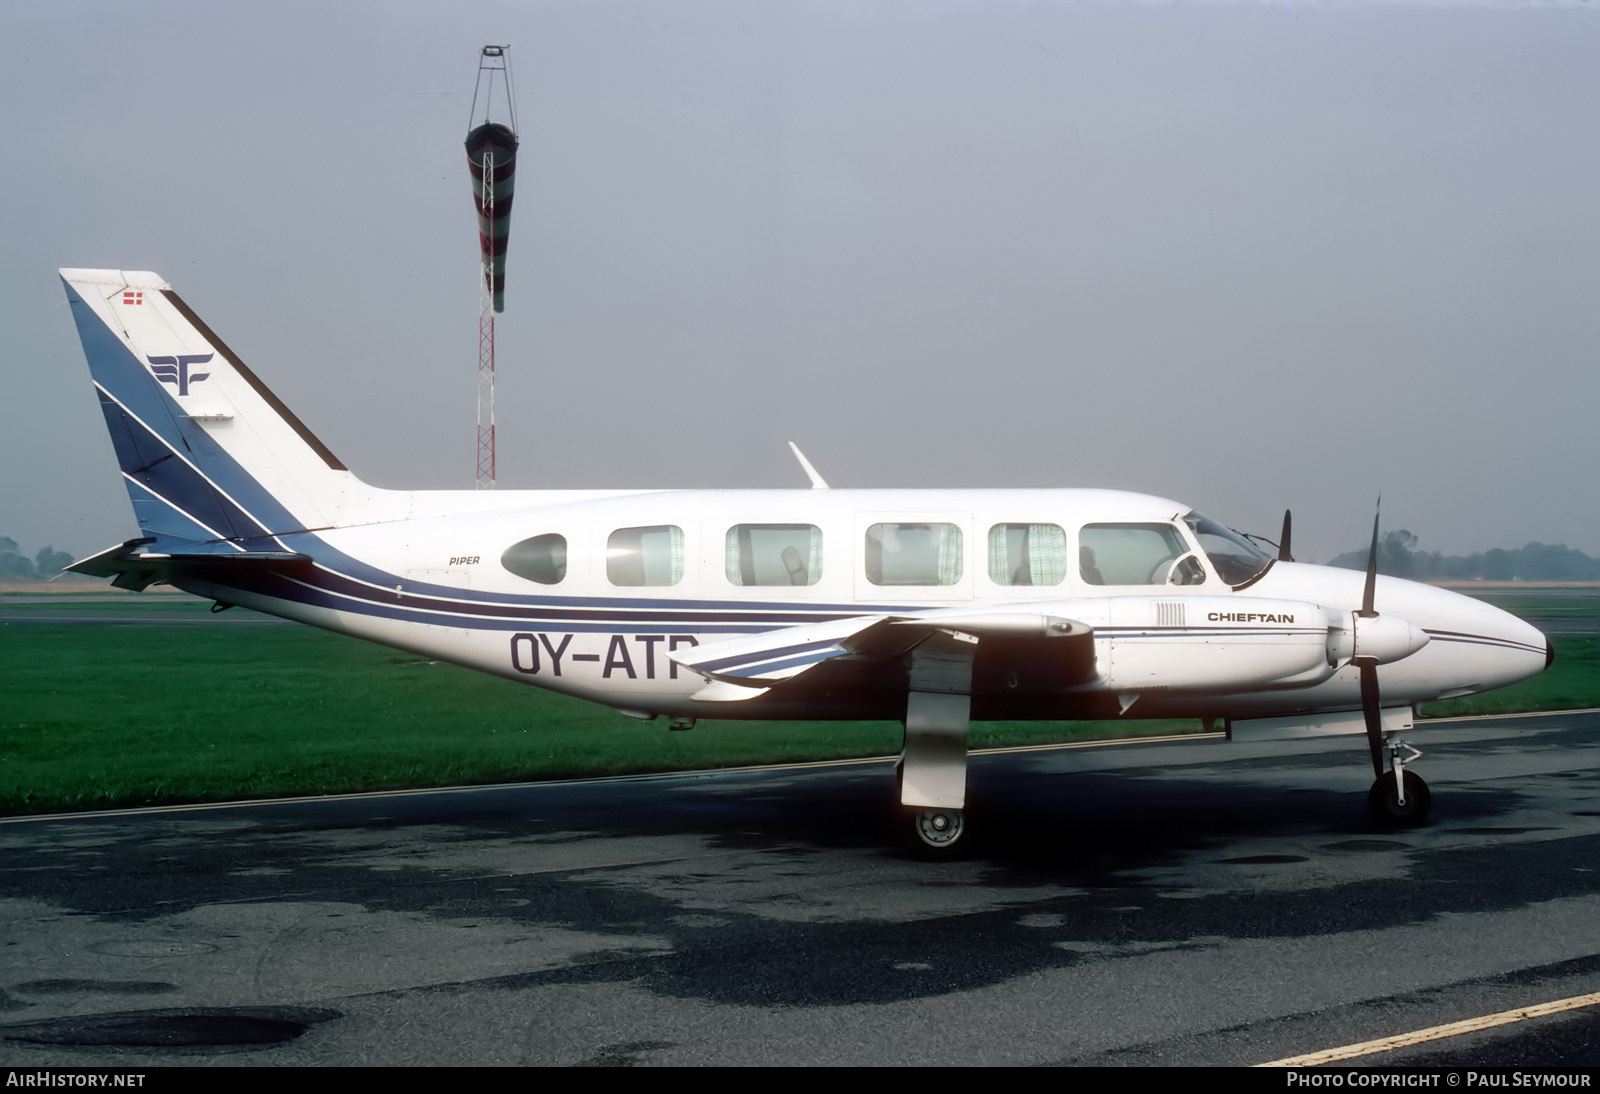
(436, 584)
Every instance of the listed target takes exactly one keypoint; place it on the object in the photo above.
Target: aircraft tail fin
(207, 452)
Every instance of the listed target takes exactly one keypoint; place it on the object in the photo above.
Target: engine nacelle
(1212, 644)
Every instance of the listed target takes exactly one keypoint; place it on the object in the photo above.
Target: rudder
(207, 452)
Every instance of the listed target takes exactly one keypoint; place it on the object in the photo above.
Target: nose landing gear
(1398, 799)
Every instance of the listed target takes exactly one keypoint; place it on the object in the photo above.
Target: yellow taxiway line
(1435, 1033)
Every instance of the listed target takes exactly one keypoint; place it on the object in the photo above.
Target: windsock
(497, 144)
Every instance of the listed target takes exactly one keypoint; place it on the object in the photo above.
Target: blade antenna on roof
(805, 465)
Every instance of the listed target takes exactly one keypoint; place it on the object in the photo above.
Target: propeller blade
(1283, 541)
(1367, 611)
(1369, 708)
(1368, 666)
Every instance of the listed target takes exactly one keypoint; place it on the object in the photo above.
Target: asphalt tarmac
(1159, 903)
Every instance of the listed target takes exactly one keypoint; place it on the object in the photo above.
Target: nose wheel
(1399, 799)
(1390, 810)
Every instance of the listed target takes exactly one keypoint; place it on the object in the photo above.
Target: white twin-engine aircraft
(930, 607)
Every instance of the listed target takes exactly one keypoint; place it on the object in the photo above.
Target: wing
(875, 651)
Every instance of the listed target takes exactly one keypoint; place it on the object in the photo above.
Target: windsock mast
(492, 159)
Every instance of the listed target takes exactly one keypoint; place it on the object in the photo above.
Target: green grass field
(104, 716)
(97, 717)
(1541, 602)
(1572, 683)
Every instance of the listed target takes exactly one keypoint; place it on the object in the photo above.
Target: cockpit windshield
(1235, 558)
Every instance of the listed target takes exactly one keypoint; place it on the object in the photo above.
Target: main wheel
(1384, 801)
(939, 830)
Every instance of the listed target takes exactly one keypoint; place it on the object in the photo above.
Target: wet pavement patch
(212, 1027)
(624, 1055)
(156, 947)
(1367, 845)
(113, 987)
(1261, 860)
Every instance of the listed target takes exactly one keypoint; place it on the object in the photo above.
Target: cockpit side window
(1128, 554)
(1235, 558)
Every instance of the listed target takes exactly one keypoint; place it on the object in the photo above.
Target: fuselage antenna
(805, 464)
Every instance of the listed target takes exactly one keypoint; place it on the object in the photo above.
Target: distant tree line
(16, 566)
(1398, 556)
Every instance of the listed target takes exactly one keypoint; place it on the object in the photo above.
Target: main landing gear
(940, 829)
(1399, 799)
(932, 773)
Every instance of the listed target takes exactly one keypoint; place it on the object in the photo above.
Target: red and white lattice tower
(492, 158)
(486, 365)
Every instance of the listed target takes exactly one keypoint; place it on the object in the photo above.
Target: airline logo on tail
(175, 370)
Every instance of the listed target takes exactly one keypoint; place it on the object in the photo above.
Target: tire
(938, 832)
(1383, 801)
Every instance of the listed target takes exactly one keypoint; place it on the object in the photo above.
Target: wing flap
(720, 691)
(878, 644)
(761, 660)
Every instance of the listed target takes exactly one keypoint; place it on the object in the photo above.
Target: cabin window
(1128, 554)
(645, 556)
(774, 554)
(542, 559)
(1027, 554)
(913, 554)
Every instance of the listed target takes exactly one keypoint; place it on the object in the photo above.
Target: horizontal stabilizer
(132, 565)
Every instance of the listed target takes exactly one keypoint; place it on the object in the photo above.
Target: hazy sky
(1247, 256)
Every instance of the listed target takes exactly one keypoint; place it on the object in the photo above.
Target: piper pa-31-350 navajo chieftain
(930, 607)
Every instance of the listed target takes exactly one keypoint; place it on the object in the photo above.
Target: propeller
(1378, 640)
(1366, 664)
(1283, 541)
